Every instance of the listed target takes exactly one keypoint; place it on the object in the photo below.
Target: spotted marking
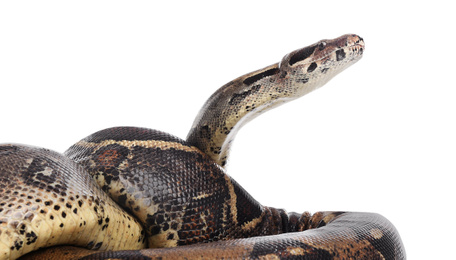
(376, 233)
(340, 55)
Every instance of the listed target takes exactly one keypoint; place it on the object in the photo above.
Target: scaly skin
(179, 190)
(246, 97)
(46, 199)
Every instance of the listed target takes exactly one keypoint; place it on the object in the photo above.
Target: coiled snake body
(173, 196)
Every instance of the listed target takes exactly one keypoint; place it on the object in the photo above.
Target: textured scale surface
(171, 198)
(153, 175)
(246, 97)
(47, 199)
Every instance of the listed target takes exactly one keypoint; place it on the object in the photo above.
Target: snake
(139, 193)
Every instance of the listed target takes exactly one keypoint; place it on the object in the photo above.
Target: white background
(380, 137)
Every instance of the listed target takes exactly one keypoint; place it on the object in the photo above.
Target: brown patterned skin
(248, 96)
(188, 206)
(46, 199)
(185, 198)
(179, 194)
(330, 235)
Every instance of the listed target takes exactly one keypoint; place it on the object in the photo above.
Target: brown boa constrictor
(173, 196)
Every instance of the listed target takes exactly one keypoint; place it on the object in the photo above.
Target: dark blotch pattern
(255, 78)
(189, 191)
(31, 237)
(312, 67)
(279, 248)
(302, 54)
(340, 55)
(302, 80)
(246, 205)
(238, 98)
(40, 174)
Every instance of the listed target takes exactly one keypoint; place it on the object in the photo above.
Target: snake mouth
(358, 46)
(354, 52)
(352, 40)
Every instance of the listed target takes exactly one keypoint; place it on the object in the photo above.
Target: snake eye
(321, 45)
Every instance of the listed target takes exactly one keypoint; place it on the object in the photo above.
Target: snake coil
(138, 193)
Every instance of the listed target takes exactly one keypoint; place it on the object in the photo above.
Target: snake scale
(137, 193)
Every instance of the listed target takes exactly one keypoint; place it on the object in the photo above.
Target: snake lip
(359, 45)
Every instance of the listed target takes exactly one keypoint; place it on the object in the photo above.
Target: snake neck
(243, 99)
(228, 109)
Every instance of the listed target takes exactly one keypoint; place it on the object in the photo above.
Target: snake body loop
(177, 200)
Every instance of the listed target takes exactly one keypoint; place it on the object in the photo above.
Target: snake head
(311, 67)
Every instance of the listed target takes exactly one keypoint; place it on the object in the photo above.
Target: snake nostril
(360, 40)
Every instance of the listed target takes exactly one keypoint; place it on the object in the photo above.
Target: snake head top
(311, 67)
